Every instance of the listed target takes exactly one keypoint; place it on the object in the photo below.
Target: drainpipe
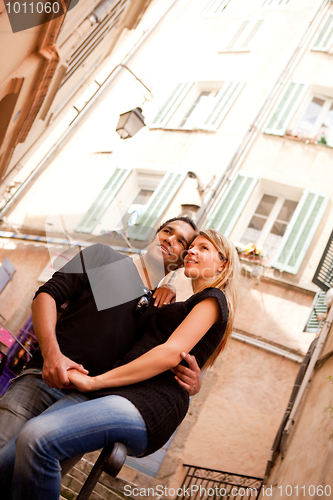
(83, 112)
(268, 102)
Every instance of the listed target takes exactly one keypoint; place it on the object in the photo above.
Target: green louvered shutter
(300, 231)
(325, 38)
(232, 203)
(222, 103)
(214, 7)
(275, 3)
(318, 307)
(171, 104)
(285, 108)
(156, 206)
(323, 276)
(103, 200)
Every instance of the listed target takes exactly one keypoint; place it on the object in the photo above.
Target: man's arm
(56, 365)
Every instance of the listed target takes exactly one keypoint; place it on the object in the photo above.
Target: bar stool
(110, 460)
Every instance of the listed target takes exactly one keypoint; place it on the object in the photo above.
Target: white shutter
(103, 200)
(222, 103)
(285, 108)
(324, 40)
(300, 231)
(232, 203)
(171, 104)
(156, 206)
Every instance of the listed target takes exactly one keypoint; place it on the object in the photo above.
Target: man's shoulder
(100, 254)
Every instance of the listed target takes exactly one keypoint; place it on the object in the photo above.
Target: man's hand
(189, 378)
(55, 371)
(165, 294)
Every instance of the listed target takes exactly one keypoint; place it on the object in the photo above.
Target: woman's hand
(81, 382)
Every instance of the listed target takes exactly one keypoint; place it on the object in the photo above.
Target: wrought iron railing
(201, 483)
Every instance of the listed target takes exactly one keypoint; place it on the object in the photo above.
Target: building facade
(239, 135)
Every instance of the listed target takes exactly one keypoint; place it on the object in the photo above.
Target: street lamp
(132, 121)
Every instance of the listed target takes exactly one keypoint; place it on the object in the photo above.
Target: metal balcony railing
(201, 484)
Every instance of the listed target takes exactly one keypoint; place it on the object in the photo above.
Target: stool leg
(111, 459)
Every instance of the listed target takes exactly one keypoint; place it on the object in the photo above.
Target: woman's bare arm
(160, 358)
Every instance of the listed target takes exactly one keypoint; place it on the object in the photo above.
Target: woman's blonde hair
(227, 281)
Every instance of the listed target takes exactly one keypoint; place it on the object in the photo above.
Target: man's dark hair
(182, 218)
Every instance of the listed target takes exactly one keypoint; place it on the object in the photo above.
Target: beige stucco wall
(243, 411)
(233, 421)
(308, 458)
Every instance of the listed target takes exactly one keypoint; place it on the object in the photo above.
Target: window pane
(271, 245)
(279, 228)
(143, 196)
(250, 236)
(287, 210)
(137, 207)
(266, 205)
(253, 231)
(325, 134)
(257, 223)
(306, 124)
(196, 107)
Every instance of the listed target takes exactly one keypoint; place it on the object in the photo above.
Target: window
(156, 206)
(324, 41)
(313, 121)
(137, 206)
(275, 3)
(197, 106)
(317, 121)
(284, 226)
(214, 8)
(269, 223)
(199, 110)
(244, 35)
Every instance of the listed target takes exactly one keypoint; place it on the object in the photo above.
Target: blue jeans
(30, 464)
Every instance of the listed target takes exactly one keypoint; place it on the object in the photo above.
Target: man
(101, 323)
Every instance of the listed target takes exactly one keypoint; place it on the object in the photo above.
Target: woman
(139, 402)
